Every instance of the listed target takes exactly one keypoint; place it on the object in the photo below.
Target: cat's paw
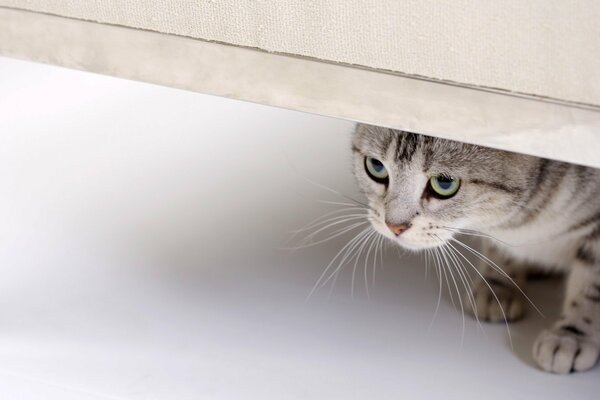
(503, 304)
(563, 352)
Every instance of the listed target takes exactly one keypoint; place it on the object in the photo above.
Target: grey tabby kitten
(422, 191)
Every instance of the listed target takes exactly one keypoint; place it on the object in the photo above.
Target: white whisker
(324, 187)
(358, 254)
(439, 275)
(375, 250)
(465, 278)
(471, 232)
(339, 203)
(372, 239)
(467, 283)
(354, 243)
(460, 301)
(333, 236)
(337, 221)
(491, 290)
(341, 251)
(327, 218)
(499, 270)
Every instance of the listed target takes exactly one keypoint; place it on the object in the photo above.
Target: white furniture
(518, 76)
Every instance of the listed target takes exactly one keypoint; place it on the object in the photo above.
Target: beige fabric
(541, 47)
(506, 122)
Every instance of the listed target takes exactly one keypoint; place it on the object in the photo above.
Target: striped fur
(548, 211)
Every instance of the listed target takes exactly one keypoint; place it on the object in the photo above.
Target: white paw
(506, 305)
(562, 352)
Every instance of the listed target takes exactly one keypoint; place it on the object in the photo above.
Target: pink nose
(397, 229)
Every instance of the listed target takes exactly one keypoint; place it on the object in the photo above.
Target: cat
(422, 191)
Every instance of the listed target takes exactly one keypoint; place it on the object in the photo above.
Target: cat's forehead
(405, 147)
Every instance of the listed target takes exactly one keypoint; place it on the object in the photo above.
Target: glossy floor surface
(143, 257)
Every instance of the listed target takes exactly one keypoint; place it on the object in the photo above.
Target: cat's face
(422, 190)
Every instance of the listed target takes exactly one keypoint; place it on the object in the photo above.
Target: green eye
(376, 170)
(444, 187)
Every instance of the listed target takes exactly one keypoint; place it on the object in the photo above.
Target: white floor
(141, 254)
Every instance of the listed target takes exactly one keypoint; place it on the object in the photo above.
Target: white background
(141, 256)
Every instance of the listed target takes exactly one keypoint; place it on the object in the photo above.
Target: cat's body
(530, 212)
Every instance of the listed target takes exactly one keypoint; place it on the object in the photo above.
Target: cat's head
(422, 190)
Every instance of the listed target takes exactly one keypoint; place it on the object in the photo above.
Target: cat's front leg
(573, 343)
(496, 293)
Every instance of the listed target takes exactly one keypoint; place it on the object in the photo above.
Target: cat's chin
(416, 242)
(419, 244)
(416, 247)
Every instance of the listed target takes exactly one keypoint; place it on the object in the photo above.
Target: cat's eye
(444, 187)
(376, 170)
